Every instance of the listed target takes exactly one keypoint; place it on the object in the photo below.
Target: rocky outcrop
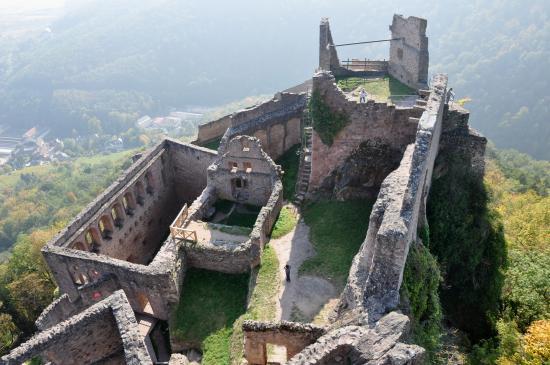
(362, 345)
(363, 171)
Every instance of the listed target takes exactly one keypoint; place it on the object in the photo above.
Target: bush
(420, 288)
(290, 162)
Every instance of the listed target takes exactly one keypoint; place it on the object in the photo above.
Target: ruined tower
(409, 56)
(328, 58)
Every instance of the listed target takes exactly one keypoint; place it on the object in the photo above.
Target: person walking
(450, 96)
(363, 96)
(287, 272)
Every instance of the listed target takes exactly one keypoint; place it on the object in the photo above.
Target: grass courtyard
(290, 162)
(210, 304)
(337, 230)
(379, 89)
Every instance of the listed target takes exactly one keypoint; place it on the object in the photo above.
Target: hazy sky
(14, 6)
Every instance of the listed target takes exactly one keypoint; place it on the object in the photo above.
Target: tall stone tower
(328, 58)
(409, 56)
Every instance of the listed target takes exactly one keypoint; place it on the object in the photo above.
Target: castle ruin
(121, 262)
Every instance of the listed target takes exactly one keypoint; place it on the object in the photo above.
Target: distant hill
(105, 58)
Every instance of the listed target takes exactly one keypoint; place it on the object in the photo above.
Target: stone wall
(276, 123)
(145, 198)
(233, 257)
(409, 58)
(377, 270)
(244, 173)
(293, 336)
(358, 344)
(188, 165)
(362, 172)
(385, 124)
(107, 331)
(328, 58)
(329, 61)
(213, 130)
(459, 141)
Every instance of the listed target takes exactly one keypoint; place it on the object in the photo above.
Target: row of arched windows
(114, 217)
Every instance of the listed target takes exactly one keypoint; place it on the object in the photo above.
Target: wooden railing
(183, 234)
(176, 228)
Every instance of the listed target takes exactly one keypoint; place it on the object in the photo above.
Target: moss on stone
(326, 122)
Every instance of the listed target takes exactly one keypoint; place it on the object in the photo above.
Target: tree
(8, 332)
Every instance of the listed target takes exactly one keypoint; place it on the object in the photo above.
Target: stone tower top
(409, 57)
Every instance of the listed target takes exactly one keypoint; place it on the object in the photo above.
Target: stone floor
(207, 235)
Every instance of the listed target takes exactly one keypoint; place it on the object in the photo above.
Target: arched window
(78, 276)
(117, 215)
(128, 203)
(140, 193)
(106, 227)
(149, 183)
(92, 240)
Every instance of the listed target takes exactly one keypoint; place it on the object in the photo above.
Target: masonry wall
(154, 276)
(188, 164)
(141, 284)
(409, 57)
(213, 130)
(276, 123)
(243, 162)
(328, 58)
(293, 336)
(141, 228)
(107, 332)
(233, 258)
(380, 122)
(377, 270)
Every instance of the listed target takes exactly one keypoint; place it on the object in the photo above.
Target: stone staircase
(304, 170)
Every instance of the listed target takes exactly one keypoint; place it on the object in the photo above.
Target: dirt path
(304, 296)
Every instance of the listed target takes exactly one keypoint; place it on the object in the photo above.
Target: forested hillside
(114, 60)
(35, 203)
(492, 244)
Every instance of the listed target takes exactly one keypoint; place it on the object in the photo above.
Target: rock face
(363, 171)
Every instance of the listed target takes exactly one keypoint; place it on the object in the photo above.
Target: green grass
(213, 144)
(379, 88)
(263, 300)
(290, 162)
(285, 222)
(223, 205)
(209, 305)
(240, 219)
(236, 230)
(337, 230)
